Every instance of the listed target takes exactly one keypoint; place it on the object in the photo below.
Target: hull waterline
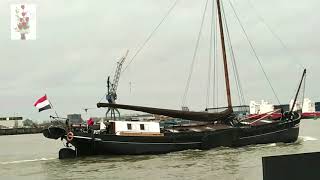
(87, 144)
(113, 144)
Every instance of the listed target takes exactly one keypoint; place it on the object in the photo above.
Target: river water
(35, 157)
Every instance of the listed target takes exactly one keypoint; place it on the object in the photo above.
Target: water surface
(35, 157)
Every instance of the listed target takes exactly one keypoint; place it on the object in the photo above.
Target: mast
(297, 93)
(225, 64)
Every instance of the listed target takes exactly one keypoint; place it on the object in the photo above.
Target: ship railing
(268, 114)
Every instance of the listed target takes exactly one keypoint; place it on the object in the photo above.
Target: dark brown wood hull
(89, 144)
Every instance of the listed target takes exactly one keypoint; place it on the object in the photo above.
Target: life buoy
(69, 136)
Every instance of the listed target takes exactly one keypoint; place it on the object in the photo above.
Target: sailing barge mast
(225, 63)
(191, 115)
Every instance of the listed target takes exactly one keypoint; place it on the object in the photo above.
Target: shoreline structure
(16, 131)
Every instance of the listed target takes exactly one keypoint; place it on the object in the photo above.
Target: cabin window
(141, 126)
(129, 126)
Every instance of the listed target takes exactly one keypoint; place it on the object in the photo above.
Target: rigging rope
(194, 57)
(210, 56)
(215, 70)
(274, 34)
(151, 34)
(254, 52)
(234, 64)
(103, 97)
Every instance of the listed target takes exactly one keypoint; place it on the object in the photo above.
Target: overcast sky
(79, 42)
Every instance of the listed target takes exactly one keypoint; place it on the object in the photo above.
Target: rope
(215, 57)
(254, 52)
(210, 56)
(234, 64)
(274, 34)
(103, 97)
(194, 57)
(146, 41)
(151, 34)
(215, 79)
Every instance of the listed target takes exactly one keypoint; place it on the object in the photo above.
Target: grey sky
(79, 41)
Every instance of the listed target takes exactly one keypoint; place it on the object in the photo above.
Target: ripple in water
(307, 138)
(27, 160)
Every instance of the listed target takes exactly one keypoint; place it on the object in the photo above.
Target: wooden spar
(297, 93)
(225, 64)
(190, 115)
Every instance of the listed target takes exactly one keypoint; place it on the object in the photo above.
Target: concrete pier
(14, 131)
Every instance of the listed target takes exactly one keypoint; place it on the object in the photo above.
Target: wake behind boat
(206, 130)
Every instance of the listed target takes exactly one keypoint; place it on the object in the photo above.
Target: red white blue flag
(42, 103)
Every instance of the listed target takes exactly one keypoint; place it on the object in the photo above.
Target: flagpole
(52, 106)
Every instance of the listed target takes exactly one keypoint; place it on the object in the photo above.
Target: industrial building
(11, 122)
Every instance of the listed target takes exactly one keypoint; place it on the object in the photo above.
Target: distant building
(11, 122)
(264, 107)
(284, 107)
(260, 108)
(75, 118)
(306, 106)
(98, 119)
(317, 106)
(143, 117)
(135, 117)
(161, 117)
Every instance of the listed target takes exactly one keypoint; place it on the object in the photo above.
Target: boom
(112, 91)
(118, 72)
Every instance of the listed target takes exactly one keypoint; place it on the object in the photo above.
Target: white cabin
(135, 127)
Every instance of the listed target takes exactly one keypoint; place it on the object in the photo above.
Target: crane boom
(117, 73)
(112, 89)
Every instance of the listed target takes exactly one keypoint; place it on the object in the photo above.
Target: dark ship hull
(169, 142)
(287, 132)
(104, 144)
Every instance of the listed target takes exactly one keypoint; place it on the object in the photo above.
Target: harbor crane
(112, 87)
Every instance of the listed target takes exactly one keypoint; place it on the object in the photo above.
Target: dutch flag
(42, 103)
